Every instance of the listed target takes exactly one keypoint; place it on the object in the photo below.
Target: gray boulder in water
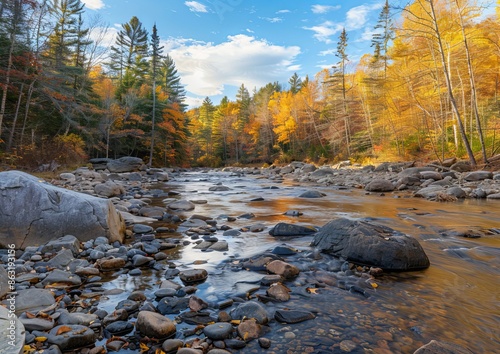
(32, 212)
(370, 244)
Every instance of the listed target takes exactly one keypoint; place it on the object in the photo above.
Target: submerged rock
(293, 316)
(367, 243)
(284, 229)
(438, 347)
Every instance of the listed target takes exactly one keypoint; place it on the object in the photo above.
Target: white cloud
(195, 6)
(356, 17)
(104, 36)
(324, 53)
(283, 11)
(206, 68)
(321, 9)
(324, 31)
(93, 4)
(272, 19)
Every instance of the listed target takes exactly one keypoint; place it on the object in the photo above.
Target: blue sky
(217, 45)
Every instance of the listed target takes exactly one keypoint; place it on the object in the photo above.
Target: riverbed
(455, 300)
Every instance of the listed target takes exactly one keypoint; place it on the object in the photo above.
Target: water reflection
(455, 300)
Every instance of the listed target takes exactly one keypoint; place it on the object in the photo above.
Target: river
(455, 300)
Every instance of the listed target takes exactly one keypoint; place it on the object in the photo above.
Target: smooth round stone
(161, 293)
(250, 309)
(142, 229)
(264, 343)
(155, 325)
(140, 260)
(189, 351)
(171, 346)
(218, 331)
(135, 272)
(120, 327)
(71, 337)
(95, 254)
(193, 275)
(128, 305)
(160, 256)
(137, 296)
(36, 258)
(150, 249)
(101, 240)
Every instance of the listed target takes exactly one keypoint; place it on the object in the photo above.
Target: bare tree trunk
(26, 109)
(473, 98)
(14, 121)
(453, 102)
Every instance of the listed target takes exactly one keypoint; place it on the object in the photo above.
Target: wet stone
(193, 275)
(128, 305)
(285, 229)
(140, 260)
(218, 331)
(161, 293)
(278, 292)
(249, 329)
(284, 250)
(118, 315)
(347, 346)
(37, 323)
(120, 328)
(172, 305)
(71, 337)
(284, 269)
(110, 264)
(32, 300)
(61, 277)
(271, 279)
(312, 194)
(75, 318)
(152, 324)
(170, 346)
(250, 309)
(293, 316)
(265, 343)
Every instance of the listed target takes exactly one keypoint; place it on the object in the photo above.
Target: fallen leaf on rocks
(312, 290)
(63, 329)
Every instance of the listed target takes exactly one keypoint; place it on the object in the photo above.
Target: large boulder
(33, 212)
(12, 333)
(125, 164)
(367, 243)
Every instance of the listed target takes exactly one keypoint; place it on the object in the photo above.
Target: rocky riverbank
(60, 284)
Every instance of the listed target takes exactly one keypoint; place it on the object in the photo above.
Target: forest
(427, 91)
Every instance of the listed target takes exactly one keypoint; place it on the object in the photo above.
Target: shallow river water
(455, 300)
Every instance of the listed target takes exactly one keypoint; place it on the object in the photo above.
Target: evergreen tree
(384, 34)
(156, 55)
(128, 59)
(63, 61)
(295, 83)
(171, 83)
